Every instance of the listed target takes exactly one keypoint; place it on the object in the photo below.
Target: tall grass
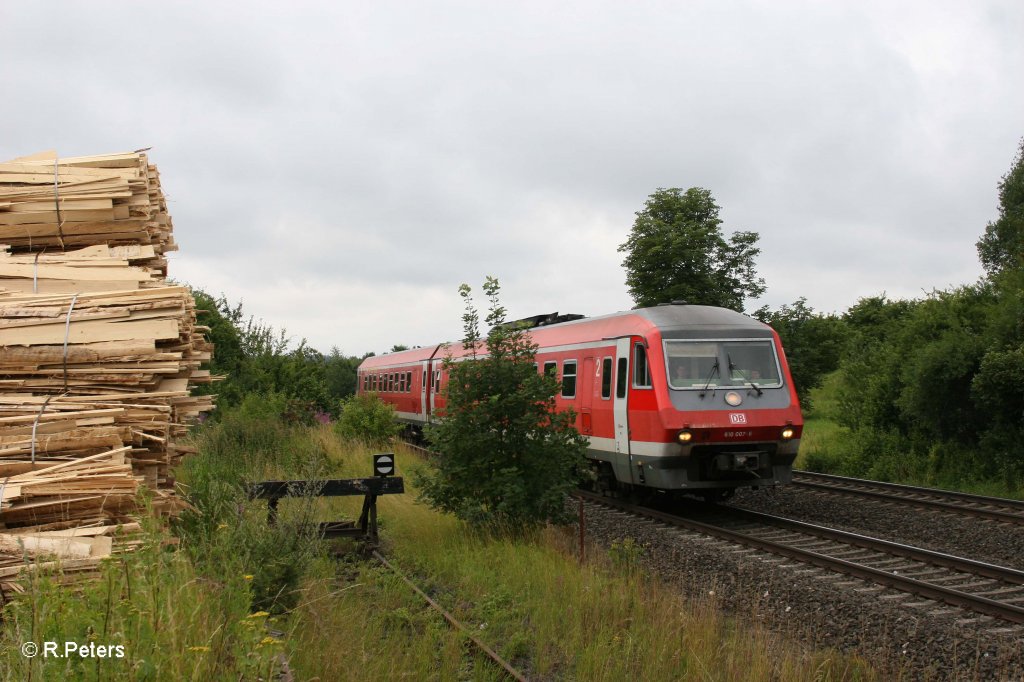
(198, 606)
(531, 600)
(172, 622)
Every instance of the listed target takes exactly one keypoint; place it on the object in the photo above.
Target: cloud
(343, 167)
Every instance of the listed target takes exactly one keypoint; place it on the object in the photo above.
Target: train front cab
(703, 430)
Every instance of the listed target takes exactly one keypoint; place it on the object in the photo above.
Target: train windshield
(696, 364)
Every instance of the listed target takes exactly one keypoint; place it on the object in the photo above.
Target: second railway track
(985, 589)
(992, 508)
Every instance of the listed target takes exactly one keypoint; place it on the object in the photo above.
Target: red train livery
(678, 397)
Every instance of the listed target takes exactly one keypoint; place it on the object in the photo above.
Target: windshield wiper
(732, 367)
(707, 383)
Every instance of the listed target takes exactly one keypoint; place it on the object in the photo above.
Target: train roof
(671, 321)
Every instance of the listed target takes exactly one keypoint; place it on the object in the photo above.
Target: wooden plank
(90, 332)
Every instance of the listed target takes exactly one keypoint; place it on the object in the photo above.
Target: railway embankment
(902, 635)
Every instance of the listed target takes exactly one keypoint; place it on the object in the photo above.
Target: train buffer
(365, 528)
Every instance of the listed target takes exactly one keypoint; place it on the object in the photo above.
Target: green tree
(676, 251)
(1001, 248)
(506, 457)
(257, 359)
(340, 373)
(813, 343)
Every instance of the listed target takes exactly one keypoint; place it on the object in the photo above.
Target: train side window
(606, 378)
(408, 382)
(550, 369)
(621, 378)
(641, 372)
(401, 382)
(569, 379)
(391, 382)
(424, 379)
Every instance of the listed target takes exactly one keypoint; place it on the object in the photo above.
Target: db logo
(737, 418)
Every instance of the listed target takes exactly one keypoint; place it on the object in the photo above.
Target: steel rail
(978, 604)
(981, 568)
(903, 494)
(493, 655)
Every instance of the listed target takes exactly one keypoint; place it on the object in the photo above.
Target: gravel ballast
(901, 635)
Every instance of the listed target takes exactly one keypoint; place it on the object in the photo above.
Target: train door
(587, 397)
(424, 405)
(624, 470)
(435, 384)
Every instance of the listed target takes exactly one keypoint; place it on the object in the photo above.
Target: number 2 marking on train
(737, 418)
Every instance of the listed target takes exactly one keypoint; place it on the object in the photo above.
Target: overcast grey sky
(342, 167)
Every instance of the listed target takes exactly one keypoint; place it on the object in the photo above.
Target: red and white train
(682, 398)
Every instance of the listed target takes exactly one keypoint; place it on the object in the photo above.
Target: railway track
(992, 508)
(507, 669)
(985, 589)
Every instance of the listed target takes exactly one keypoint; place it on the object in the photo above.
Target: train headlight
(733, 398)
(787, 433)
(685, 437)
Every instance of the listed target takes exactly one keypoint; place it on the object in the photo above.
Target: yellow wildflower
(267, 641)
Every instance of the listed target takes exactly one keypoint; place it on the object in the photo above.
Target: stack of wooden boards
(97, 354)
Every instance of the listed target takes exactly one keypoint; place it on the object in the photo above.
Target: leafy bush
(367, 418)
(506, 457)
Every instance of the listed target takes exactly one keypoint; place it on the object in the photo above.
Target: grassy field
(227, 597)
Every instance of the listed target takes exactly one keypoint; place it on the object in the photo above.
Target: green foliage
(929, 389)
(813, 343)
(998, 391)
(255, 358)
(227, 534)
(367, 418)
(676, 251)
(1001, 248)
(506, 458)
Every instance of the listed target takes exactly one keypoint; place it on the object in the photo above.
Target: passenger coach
(682, 398)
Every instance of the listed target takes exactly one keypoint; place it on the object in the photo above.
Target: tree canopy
(1001, 248)
(676, 251)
